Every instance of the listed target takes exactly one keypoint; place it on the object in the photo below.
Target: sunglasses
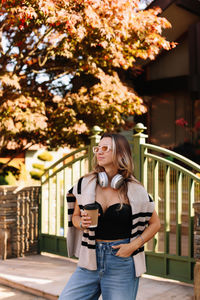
(104, 149)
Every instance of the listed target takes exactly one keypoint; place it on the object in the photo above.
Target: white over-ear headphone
(116, 181)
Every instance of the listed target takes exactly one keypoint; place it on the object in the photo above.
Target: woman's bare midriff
(108, 241)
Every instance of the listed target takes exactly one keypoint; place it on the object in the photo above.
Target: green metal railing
(172, 181)
(169, 178)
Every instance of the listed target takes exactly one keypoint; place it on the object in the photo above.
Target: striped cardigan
(82, 243)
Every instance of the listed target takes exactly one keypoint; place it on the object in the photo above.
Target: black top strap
(79, 185)
(150, 198)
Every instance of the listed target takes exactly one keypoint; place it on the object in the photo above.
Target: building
(170, 85)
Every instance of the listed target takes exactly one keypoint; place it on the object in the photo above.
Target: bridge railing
(173, 182)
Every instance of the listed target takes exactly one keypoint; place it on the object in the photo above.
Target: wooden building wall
(170, 84)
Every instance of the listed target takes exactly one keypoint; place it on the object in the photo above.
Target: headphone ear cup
(103, 179)
(117, 181)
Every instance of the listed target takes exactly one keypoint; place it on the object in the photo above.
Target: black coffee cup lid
(91, 206)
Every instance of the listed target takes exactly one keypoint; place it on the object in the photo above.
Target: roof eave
(192, 6)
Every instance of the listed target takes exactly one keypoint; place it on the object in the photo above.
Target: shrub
(3, 180)
(8, 179)
(45, 156)
(36, 174)
(38, 166)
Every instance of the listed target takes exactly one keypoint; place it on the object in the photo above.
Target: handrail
(65, 157)
(174, 154)
(62, 168)
(174, 165)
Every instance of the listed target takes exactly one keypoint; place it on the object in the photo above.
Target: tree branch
(13, 156)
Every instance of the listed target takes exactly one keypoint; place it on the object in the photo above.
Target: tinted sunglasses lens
(105, 148)
(95, 149)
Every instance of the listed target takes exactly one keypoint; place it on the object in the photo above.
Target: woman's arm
(126, 250)
(152, 229)
(80, 219)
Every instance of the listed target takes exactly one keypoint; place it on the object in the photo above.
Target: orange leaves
(10, 80)
(81, 39)
(22, 114)
(107, 103)
(115, 25)
(32, 61)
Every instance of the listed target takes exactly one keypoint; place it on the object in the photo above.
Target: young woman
(111, 257)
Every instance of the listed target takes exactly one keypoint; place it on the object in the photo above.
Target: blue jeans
(114, 278)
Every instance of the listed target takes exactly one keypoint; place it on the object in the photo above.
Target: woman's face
(104, 158)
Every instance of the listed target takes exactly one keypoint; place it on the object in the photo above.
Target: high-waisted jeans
(114, 278)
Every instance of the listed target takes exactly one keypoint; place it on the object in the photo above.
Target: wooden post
(138, 138)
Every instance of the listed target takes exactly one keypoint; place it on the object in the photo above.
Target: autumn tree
(60, 61)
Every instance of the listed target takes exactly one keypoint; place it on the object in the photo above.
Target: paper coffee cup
(92, 210)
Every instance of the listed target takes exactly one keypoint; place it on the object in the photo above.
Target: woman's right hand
(85, 220)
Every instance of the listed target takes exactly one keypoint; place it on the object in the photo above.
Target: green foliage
(36, 174)
(45, 156)
(9, 174)
(170, 158)
(18, 171)
(8, 179)
(3, 180)
(5, 169)
(38, 166)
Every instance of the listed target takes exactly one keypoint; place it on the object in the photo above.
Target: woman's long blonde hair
(122, 158)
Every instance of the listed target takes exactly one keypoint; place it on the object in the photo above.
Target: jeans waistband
(110, 244)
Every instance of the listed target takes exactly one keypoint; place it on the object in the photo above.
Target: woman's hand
(125, 250)
(80, 219)
(85, 220)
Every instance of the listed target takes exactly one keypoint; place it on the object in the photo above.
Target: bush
(8, 179)
(38, 166)
(15, 171)
(36, 174)
(3, 180)
(45, 156)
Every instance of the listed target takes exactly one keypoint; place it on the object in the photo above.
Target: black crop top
(114, 223)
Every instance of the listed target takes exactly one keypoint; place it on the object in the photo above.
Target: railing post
(94, 139)
(197, 250)
(138, 138)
